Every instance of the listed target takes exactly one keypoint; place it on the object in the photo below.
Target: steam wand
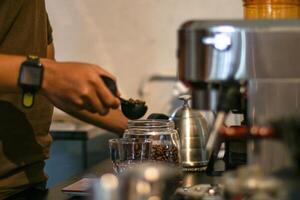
(230, 99)
(214, 137)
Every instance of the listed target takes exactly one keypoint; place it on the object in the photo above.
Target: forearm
(114, 121)
(75, 88)
(9, 72)
(10, 67)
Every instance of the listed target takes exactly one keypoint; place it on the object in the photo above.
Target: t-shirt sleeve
(49, 31)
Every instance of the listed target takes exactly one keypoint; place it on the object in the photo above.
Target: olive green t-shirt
(24, 133)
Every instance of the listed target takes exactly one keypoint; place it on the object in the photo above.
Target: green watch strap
(28, 99)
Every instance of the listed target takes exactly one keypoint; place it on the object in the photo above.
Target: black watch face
(31, 76)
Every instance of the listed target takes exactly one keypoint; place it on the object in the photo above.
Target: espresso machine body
(262, 57)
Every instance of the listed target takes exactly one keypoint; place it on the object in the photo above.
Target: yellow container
(271, 9)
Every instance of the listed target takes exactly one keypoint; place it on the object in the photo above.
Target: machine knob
(220, 41)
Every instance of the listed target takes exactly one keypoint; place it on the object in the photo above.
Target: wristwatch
(30, 79)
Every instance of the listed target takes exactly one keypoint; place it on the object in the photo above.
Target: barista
(30, 85)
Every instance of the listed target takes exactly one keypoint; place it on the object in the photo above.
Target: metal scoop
(132, 109)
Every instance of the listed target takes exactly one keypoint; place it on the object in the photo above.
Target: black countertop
(55, 193)
(189, 179)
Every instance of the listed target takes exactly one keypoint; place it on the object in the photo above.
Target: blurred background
(133, 39)
(136, 41)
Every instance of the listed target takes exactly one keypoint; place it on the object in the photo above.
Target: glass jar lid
(153, 124)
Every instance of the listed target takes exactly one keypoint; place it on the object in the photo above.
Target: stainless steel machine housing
(263, 55)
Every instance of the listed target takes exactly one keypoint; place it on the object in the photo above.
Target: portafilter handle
(214, 134)
(214, 143)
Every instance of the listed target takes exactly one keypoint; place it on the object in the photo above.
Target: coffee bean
(165, 153)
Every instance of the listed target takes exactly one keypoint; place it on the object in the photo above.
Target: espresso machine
(250, 67)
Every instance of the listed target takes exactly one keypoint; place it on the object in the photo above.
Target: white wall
(130, 38)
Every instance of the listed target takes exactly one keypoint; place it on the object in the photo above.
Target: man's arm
(9, 72)
(114, 121)
(70, 86)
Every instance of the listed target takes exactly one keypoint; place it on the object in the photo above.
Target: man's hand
(75, 86)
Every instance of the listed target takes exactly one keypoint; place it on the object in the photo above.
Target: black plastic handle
(158, 116)
(110, 84)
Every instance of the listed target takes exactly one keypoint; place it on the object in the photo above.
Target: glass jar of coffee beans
(164, 137)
